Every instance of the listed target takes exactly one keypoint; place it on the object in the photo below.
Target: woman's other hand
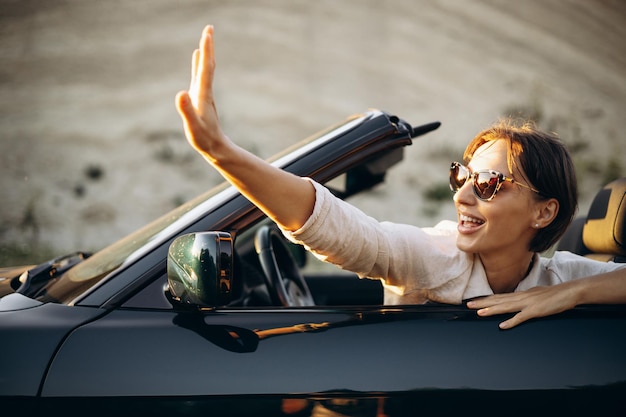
(536, 302)
(608, 288)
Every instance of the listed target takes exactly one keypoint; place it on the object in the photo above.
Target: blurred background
(91, 147)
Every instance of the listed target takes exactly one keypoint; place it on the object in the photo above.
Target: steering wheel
(284, 280)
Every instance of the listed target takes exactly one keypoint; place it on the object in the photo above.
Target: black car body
(108, 333)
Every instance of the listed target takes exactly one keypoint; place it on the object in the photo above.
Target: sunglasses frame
(500, 178)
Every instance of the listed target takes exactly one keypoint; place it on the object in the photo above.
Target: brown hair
(545, 163)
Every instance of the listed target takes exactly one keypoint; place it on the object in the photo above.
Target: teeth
(465, 218)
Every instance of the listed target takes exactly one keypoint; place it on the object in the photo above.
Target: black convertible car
(208, 311)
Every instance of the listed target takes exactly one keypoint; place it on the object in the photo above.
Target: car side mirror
(200, 269)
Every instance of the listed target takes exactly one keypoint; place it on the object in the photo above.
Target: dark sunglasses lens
(485, 184)
(458, 176)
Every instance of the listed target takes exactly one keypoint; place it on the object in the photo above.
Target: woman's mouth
(468, 223)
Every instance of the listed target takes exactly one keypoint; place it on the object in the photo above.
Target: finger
(206, 65)
(487, 311)
(187, 112)
(503, 308)
(516, 320)
(482, 303)
(194, 70)
(181, 102)
(488, 301)
(208, 29)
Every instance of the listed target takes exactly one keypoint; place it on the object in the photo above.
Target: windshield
(96, 267)
(125, 251)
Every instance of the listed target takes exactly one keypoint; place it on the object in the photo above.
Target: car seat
(601, 235)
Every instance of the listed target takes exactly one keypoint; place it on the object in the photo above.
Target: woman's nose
(465, 194)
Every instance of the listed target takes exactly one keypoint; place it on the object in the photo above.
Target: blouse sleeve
(567, 266)
(407, 257)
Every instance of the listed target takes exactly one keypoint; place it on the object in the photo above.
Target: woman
(514, 199)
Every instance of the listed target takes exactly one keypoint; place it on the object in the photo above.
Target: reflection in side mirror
(200, 269)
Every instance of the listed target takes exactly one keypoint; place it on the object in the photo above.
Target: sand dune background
(91, 147)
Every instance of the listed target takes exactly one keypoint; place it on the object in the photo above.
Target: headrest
(605, 228)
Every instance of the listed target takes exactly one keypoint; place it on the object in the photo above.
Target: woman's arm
(607, 288)
(285, 198)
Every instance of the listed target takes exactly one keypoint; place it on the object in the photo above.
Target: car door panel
(278, 352)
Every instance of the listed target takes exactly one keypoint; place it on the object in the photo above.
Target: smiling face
(503, 226)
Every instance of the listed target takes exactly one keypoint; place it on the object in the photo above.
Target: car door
(233, 360)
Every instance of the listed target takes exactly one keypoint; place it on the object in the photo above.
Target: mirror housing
(371, 173)
(200, 269)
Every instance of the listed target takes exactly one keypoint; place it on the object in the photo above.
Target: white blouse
(417, 264)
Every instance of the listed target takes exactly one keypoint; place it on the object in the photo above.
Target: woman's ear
(546, 212)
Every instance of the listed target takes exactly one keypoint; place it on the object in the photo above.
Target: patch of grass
(430, 210)
(612, 169)
(592, 172)
(94, 172)
(22, 254)
(437, 192)
(178, 200)
(578, 147)
(170, 147)
(434, 198)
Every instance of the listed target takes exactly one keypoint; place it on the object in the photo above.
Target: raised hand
(197, 105)
(285, 198)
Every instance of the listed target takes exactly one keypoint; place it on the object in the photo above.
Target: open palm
(197, 106)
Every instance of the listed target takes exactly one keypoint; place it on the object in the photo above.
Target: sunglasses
(485, 183)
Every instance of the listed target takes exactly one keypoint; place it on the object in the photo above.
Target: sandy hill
(92, 148)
